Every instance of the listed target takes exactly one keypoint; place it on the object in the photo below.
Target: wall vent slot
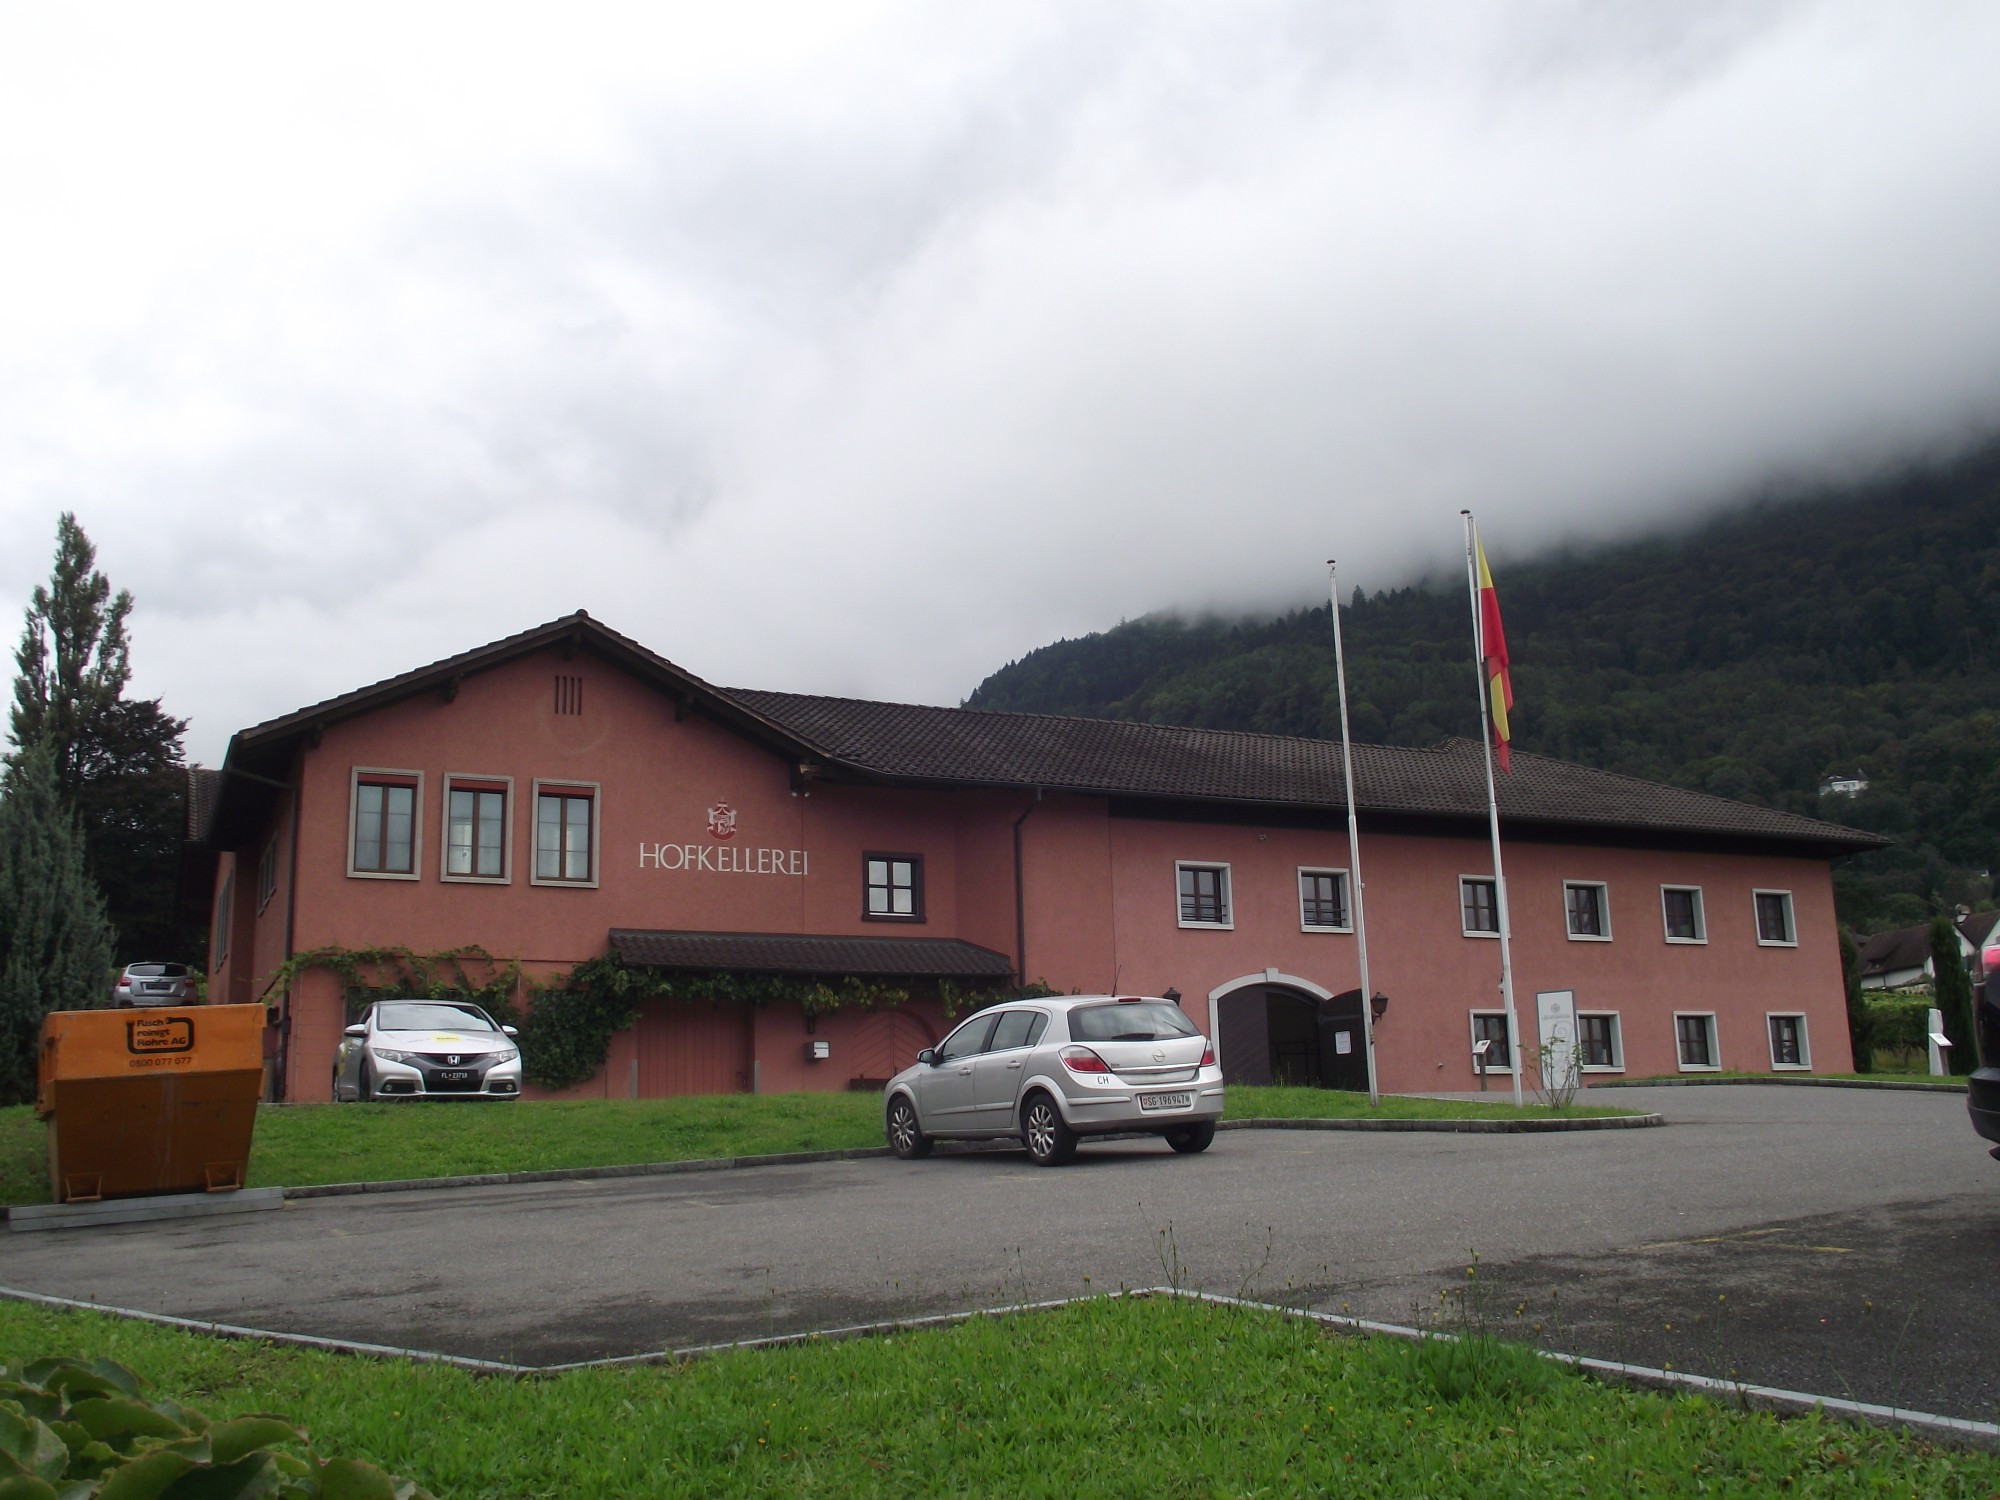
(569, 694)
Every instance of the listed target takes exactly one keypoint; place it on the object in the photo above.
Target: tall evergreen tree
(73, 660)
(1954, 994)
(55, 943)
(117, 763)
(1860, 1025)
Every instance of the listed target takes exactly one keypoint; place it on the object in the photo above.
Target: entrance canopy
(810, 953)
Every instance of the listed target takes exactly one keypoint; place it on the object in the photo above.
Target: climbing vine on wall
(567, 1025)
(369, 974)
(958, 1000)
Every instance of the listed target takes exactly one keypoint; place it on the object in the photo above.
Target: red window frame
(570, 797)
(386, 784)
(476, 787)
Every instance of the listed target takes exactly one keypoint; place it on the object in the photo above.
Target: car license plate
(1164, 1101)
(463, 1075)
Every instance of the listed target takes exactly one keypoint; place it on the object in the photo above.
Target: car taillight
(1207, 1053)
(1083, 1060)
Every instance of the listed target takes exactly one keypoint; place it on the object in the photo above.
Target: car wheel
(906, 1137)
(364, 1085)
(1047, 1135)
(336, 1085)
(1188, 1139)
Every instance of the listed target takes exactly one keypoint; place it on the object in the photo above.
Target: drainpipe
(283, 1080)
(1020, 902)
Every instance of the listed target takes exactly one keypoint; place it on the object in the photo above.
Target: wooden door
(693, 1047)
(884, 1043)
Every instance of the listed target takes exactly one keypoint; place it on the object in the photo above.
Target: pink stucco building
(565, 791)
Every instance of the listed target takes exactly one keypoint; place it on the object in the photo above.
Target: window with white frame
(1587, 905)
(1694, 1041)
(1774, 919)
(1789, 1048)
(1478, 906)
(1599, 1046)
(1680, 908)
(1323, 901)
(385, 836)
(1204, 894)
(478, 817)
(1490, 1027)
(565, 833)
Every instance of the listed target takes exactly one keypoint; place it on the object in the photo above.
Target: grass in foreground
(300, 1144)
(1115, 1397)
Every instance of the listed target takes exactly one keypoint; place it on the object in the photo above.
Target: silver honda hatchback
(1050, 1072)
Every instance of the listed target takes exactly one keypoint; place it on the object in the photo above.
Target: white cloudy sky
(860, 348)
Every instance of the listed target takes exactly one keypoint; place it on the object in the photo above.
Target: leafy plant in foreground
(72, 1431)
(1472, 1366)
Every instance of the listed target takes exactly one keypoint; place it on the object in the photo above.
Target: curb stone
(863, 1153)
(1959, 1431)
(1460, 1127)
(1948, 1087)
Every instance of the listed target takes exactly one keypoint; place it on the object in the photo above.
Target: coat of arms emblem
(722, 821)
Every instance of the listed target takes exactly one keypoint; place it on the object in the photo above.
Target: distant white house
(1892, 960)
(1843, 784)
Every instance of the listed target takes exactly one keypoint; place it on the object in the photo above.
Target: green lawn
(299, 1144)
(1116, 1397)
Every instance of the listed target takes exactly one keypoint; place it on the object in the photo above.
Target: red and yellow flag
(1493, 656)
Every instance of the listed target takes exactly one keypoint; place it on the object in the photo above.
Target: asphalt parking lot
(1837, 1241)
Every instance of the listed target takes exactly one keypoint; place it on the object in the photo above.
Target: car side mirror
(357, 1029)
(928, 1057)
(511, 1030)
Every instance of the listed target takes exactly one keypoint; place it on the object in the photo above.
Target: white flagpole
(1493, 814)
(1353, 839)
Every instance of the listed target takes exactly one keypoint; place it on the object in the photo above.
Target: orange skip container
(145, 1101)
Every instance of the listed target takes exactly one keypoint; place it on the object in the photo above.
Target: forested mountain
(1833, 632)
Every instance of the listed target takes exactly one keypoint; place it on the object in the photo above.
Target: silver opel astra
(1049, 1072)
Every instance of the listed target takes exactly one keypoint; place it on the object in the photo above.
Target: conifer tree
(1860, 1025)
(1954, 995)
(117, 762)
(73, 660)
(55, 942)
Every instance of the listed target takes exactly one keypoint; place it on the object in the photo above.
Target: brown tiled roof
(1974, 926)
(1902, 948)
(845, 738)
(959, 746)
(808, 953)
(204, 786)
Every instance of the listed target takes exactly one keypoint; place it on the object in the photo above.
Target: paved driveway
(1836, 1240)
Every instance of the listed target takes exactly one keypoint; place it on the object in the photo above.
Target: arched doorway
(1290, 1031)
